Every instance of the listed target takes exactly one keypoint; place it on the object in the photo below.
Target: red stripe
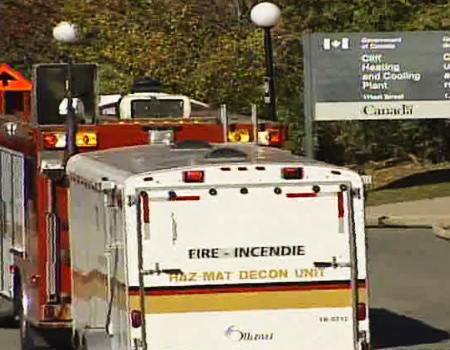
(145, 208)
(298, 195)
(212, 289)
(185, 198)
(340, 205)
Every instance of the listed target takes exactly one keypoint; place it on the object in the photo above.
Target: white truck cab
(143, 105)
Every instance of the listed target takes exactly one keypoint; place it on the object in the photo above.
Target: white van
(199, 247)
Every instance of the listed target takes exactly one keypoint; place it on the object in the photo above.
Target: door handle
(333, 263)
(158, 271)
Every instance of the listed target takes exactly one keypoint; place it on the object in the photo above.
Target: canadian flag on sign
(330, 44)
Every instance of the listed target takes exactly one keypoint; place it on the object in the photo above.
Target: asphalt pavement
(409, 273)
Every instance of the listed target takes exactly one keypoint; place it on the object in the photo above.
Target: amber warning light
(57, 140)
(270, 137)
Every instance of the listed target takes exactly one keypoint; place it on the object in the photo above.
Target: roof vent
(192, 144)
(226, 154)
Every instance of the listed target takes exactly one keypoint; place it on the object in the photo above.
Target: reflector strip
(243, 298)
(145, 208)
(340, 205)
(361, 311)
(299, 195)
(341, 211)
(184, 198)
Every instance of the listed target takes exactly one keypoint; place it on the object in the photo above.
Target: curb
(437, 223)
(395, 222)
(442, 232)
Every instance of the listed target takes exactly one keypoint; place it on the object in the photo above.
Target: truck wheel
(26, 337)
(17, 299)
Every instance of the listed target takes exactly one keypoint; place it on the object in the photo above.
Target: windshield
(157, 108)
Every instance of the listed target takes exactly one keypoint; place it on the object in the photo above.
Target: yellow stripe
(246, 301)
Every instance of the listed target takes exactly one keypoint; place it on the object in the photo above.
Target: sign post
(49, 90)
(375, 76)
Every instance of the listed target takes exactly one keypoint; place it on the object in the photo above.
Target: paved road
(410, 285)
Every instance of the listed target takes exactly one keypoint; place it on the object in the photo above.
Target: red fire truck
(35, 270)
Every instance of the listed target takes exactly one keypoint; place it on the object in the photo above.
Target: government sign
(377, 76)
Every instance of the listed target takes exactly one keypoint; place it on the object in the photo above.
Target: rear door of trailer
(265, 254)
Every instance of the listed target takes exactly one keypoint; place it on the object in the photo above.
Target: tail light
(275, 138)
(193, 176)
(361, 311)
(292, 173)
(54, 140)
(86, 139)
(57, 140)
(240, 135)
(34, 280)
(270, 137)
(137, 318)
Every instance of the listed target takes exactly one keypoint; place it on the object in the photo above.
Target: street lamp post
(67, 33)
(266, 15)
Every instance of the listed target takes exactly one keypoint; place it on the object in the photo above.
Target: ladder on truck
(142, 203)
(349, 193)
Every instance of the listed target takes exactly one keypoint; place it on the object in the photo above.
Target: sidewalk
(429, 213)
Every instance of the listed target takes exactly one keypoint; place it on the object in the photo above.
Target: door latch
(158, 271)
(334, 264)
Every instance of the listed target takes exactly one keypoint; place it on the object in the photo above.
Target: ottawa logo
(239, 335)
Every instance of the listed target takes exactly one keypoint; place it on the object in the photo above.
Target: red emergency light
(361, 311)
(137, 319)
(292, 173)
(50, 141)
(57, 139)
(193, 176)
(275, 138)
(270, 137)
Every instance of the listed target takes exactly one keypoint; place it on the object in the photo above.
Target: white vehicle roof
(109, 99)
(77, 105)
(120, 164)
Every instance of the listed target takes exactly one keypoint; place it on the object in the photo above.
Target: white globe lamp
(265, 15)
(65, 32)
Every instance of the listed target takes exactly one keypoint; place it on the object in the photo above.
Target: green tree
(26, 32)
(210, 50)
